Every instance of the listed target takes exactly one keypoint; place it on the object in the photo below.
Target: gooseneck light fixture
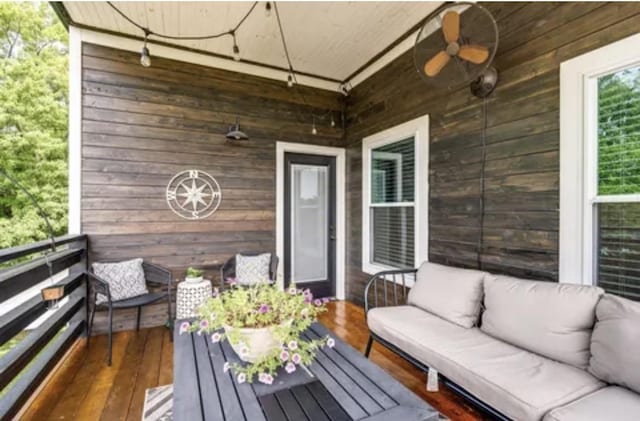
(235, 133)
(267, 9)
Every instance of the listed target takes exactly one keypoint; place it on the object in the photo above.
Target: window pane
(618, 268)
(393, 172)
(309, 222)
(392, 236)
(619, 132)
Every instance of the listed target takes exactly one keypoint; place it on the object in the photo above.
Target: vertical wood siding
(140, 126)
(522, 200)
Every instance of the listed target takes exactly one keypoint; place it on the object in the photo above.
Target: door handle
(332, 233)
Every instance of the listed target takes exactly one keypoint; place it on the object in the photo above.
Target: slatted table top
(339, 385)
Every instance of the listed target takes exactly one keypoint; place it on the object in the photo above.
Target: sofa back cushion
(615, 343)
(548, 318)
(454, 294)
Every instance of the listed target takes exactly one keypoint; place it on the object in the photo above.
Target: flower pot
(255, 342)
(194, 280)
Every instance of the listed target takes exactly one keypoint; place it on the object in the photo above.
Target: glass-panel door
(310, 222)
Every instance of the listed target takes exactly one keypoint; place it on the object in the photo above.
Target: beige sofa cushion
(455, 294)
(548, 318)
(520, 384)
(609, 403)
(615, 343)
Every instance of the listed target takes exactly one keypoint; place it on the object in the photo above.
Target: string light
(333, 122)
(236, 49)
(267, 9)
(290, 79)
(314, 131)
(145, 57)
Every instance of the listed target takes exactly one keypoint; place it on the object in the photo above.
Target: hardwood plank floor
(84, 388)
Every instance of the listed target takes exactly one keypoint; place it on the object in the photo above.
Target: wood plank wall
(521, 225)
(141, 126)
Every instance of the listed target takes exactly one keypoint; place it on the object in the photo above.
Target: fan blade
(451, 26)
(436, 63)
(476, 54)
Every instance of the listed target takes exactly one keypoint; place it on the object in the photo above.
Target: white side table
(190, 296)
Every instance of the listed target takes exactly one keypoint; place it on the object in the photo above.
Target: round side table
(190, 296)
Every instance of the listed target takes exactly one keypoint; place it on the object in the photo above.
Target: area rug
(158, 404)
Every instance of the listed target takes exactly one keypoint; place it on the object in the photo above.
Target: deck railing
(39, 349)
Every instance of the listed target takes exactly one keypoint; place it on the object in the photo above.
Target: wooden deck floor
(84, 388)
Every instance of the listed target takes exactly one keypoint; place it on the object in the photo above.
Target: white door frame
(341, 239)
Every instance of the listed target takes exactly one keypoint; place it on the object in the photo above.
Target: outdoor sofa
(521, 349)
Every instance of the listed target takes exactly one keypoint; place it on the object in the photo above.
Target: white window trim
(578, 154)
(419, 130)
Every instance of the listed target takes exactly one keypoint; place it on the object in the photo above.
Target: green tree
(619, 132)
(33, 120)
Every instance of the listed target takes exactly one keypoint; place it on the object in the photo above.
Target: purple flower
(232, 281)
(325, 300)
(307, 294)
(216, 337)
(293, 345)
(331, 342)
(296, 358)
(307, 299)
(226, 367)
(215, 293)
(264, 308)
(184, 327)
(317, 302)
(242, 378)
(284, 355)
(204, 323)
(290, 367)
(265, 378)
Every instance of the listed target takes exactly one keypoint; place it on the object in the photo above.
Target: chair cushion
(125, 279)
(609, 403)
(455, 294)
(548, 318)
(140, 300)
(615, 343)
(252, 269)
(520, 384)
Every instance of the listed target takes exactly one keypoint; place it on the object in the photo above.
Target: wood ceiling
(330, 40)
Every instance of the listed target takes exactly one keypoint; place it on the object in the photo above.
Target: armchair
(155, 275)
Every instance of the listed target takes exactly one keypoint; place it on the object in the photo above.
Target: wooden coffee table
(340, 385)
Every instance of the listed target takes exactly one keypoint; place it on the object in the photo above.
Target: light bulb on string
(333, 122)
(145, 57)
(290, 80)
(267, 9)
(314, 131)
(236, 49)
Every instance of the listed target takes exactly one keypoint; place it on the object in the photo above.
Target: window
(395, 189)
(604, 143)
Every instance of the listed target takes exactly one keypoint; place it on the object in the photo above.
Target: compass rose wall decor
(193, 194)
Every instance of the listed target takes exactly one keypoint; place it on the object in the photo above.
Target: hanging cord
(292, 72)
(35, 202)
(186, 38)
(483, 162)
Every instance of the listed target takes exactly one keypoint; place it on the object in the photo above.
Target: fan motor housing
(485, 83)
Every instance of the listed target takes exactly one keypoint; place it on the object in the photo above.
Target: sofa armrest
(388, 280)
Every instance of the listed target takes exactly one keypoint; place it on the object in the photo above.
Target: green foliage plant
(288, 313)
(194, 273)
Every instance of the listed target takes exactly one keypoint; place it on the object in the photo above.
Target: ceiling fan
(456, 46)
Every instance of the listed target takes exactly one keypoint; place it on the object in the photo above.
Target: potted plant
(263, 324)
(194, 275)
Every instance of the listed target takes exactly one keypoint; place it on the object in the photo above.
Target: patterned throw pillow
(252, 269)
(125, 279)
